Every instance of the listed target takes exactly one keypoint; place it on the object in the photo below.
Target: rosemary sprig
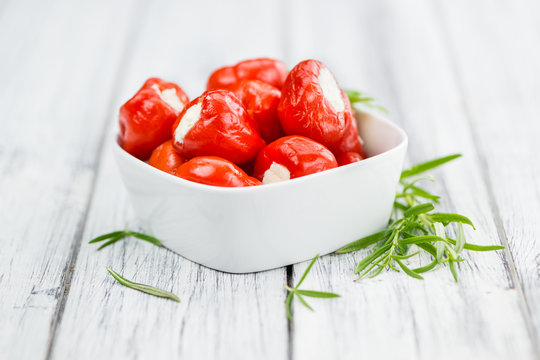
(141, 287)
(301, 293)
(358, 97)
(415, 227)
(115, 236)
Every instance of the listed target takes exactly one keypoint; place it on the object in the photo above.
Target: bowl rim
(267, 187)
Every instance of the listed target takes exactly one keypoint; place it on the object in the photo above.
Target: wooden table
(458, 76)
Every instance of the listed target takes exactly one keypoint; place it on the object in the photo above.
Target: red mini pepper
(146, 119)
(290, 157)
(350, 142)
(216, 171)
(261, 101)
(270, 71)
(217, 124)
(349, 158)
(313, 105)
(166, 158)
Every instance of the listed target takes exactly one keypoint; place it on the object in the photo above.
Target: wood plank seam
(69, 269)
(507, 258)
(290, 325)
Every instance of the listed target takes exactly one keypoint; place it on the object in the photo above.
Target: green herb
(415, 227)
(115, 236)
(301, 293)
(141, 287)
(358, 97)
(428, 165)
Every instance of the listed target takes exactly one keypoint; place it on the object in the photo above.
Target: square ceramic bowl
(258, 228)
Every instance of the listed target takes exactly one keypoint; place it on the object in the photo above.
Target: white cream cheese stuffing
(330, 89)
(170, 97)
(276, 173)
(191, 116)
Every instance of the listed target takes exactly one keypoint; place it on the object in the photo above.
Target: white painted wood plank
(359, 318)
(221, 316)
(500, 81)
(398, 50)
(52, 117)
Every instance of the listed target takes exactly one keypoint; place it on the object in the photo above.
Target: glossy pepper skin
(297, 155)
(221, 127)
(349, 158)
(270, 71)
(166, 158)
(146, 119)
(350, 142)
(216, 171)
(306, 109)
(261, 101)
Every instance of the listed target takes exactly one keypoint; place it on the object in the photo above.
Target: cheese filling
(190, 118)
(170, 97)
(276, 173)
(330, 89)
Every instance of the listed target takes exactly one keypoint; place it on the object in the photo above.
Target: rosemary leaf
(307, 271)
(288, 306)
(415, 225)
(428, 248)
(410, 184)
(460, 239)
(107, 236)
(426, 268)
(117, 235)
(474, 247)
(408, 271)
(439, 246)
(400, 206)
(453, 270)
(303, 301)
(412, 224)
(451, 253)
(417, 240)
(405, 257)
(111, 241)
(371, 257)
(142, 287)
(298, 292)
(317, 294)
(447, 218)
(419, 209)
(428, 165)
(145, 237)
(364, 242)
(424, 194)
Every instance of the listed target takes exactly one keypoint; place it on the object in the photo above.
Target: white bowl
(258, 228)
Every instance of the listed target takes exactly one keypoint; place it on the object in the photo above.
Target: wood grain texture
(459, 76)
(503, 113)
(221, 316)
(394, 316)
(51, 130)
